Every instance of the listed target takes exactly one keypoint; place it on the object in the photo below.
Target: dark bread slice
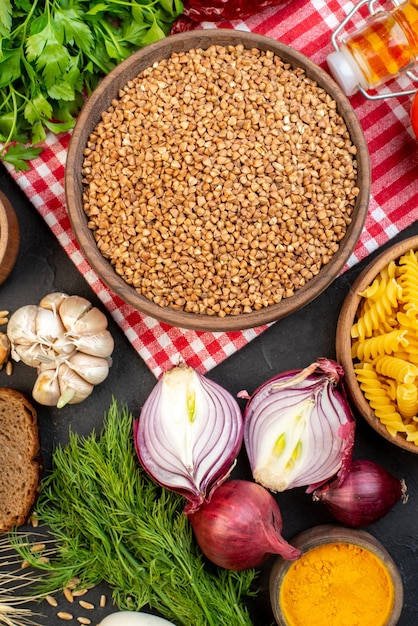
(20, 460)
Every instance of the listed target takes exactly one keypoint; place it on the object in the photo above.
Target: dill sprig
(111, 522)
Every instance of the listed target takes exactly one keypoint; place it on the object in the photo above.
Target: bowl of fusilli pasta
(377, 343)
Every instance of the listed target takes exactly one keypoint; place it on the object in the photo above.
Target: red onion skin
(240, 527)
(367, 494)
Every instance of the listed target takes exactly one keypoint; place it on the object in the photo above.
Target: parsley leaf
(51, 57)
(9, 67)
(18, 155)
(75, 31)
(37, 108)
(5, 17)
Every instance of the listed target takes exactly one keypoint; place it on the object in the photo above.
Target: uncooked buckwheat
(220, 181)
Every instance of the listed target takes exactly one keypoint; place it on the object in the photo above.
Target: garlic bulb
(66, 339)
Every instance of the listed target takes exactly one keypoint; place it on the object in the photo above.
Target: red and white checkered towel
(305, 25)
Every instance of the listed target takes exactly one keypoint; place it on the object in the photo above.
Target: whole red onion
(368, 492)
(240, 527)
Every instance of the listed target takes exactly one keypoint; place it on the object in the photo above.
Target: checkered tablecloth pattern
(307, 26)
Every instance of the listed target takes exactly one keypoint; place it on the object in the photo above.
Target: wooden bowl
(9, 237)
(100, 101)
(347, 318)
(330, 534)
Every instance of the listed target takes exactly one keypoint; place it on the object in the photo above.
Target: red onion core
(240, 527)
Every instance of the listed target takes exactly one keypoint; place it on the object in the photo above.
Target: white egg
(133, 618)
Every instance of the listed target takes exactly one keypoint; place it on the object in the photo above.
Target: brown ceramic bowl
(343, 339)
(100, 101)
(9, 237)
(332, 533)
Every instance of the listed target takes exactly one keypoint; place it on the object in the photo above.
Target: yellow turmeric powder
(337, 584)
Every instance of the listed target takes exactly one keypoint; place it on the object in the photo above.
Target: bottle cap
(345, 73)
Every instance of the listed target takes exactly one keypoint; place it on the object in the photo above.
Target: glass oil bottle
(385, 47)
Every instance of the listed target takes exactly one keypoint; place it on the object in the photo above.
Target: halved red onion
(299, 428)
(189, 434)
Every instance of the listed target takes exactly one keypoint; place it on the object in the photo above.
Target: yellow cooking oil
(388, 44)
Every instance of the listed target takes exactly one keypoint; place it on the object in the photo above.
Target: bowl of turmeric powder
(330, 582)
(377, 343)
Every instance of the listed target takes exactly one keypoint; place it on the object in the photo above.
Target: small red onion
(240, 527)
(299, 428)
(368, 492)
(189, 434)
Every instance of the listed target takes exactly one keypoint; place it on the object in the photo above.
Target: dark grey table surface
(43, 267)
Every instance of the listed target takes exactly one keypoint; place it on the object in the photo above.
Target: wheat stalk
(15, 577)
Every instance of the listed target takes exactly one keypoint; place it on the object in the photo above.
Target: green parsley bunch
(53, 53)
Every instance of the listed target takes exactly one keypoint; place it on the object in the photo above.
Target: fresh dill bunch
(111, 522)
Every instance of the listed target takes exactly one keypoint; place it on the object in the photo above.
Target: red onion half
(189, 434)
(241, 527)
(368, 492)
(299, 428)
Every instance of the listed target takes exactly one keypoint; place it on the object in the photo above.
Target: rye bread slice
(20, 460)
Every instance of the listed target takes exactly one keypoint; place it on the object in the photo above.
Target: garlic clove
(94, 369)
(46, 389)
(21, 328)
(53, 301)
(73, 388)
(48, 326)
(100, 344)
(92, 321)
(35, 355)
(72, 309)
(64, 347)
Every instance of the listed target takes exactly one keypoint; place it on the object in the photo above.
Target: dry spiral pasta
(375, 291)
(408, 279)
(399, 369)
(407, 399)
(385, 346)
(379, 399)
(379, 345)
(377, 314)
